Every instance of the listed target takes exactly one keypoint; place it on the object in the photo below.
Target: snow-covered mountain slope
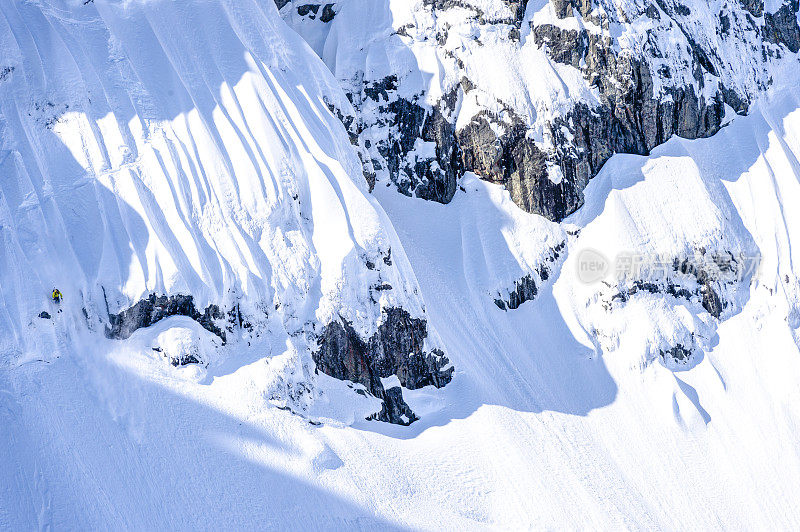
(177, 149)
(195, 178)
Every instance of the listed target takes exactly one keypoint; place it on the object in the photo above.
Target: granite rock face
(396, 349)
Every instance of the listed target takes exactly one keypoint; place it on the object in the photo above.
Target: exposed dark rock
(395, 409)
(652, 12)
(563, 8)
(408, 122)
(682, 10)
(307, 9)
(564, 46)
(711, 300)
(236, 319)
(710, 275)
(781, 27)
(653, 288)
(348, 121)
(732, 98)
(5, 72)
(526, 288)
(517, 8)
(182, 359)
(631, 118)
(724, 23)
(755, 7)
(327, 13)
(718, 269)
(312, 10)
(155, 308)
(514, 160)
(395, 349)
(678, 353)
(638, 109)
(44, 315)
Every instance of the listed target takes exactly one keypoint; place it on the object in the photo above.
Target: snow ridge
(173, 148)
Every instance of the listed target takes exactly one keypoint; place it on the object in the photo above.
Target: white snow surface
(178, 147)
(185, 147)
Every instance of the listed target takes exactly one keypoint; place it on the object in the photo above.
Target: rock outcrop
(415, 144)
(709, 280)
(325, 12)
(651, 69)
(396, 349)
(677, 356)
(621, 77)
(782, 27)
(155, 308)
(527, 287)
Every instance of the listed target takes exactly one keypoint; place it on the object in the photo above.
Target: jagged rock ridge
(649, 70)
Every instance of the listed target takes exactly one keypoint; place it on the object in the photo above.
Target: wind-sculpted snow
(182, 148)
(190, 175)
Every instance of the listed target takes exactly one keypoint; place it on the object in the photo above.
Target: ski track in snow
(188, 135)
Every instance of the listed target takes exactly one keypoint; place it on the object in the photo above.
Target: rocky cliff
(538, 95)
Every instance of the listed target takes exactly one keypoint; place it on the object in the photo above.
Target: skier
(57, 295)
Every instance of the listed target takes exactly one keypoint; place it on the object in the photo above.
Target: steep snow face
(597, 407)
(191, 176)
(564, 402)
(182, 148)
(538, 95)
(700, 229)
